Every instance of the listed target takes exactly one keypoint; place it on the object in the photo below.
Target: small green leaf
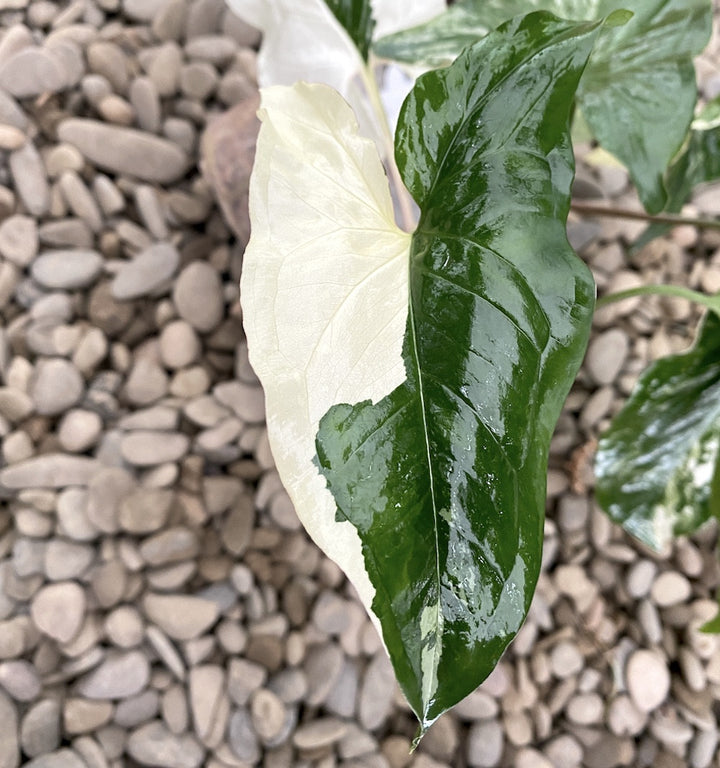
(444, 478)
(656, 463)
(355, 16)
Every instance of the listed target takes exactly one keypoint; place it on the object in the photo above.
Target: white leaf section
(395, 15)
(324, 291)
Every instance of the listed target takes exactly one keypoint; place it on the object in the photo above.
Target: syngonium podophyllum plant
(414, 374)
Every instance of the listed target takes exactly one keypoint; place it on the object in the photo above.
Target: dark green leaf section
(655, 465)
(445, 478)
(638, 92)
(355, 16)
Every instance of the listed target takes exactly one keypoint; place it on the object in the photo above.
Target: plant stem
(661, 218)
(679, 291)
(403, 197)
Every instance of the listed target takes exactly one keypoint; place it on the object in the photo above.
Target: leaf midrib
(437, 649)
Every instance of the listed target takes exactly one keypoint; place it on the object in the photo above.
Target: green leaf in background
(439, 41)
(638, 92)
(697, 163)
(444, 478)
(655, 465)
(356, 18)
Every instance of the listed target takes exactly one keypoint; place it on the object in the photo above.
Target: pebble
(119, 676)
(648, 679)
(80, 201)
(242, 737)
(208, 702)
(179, 345)
(63, 758)
(244, 678)
(67, 269)
(39, 730)
(566, 660)
(31, 184)
(169, 546)
(485, 744)
(20, 679)
(145, 100)
(564, 752)
(164, 69)
(146, 382)
(9, 746)
(670, 588)
(19, 239)
(32, 72)
(585, 709)
(198, 296)
(79, 430)
(182, 617)
(124, 627)
(106, 490)
(58, 610)
(145, 510)
(108, 59)
(125, 150)
(67, 559)
(320, 733)
(56, 386)
(640, 578)
(606, 356)
(268, 715)
(83, 715)
(147, 448)
(151, 269)
(154, 745)
(377, 692)
(11, 138)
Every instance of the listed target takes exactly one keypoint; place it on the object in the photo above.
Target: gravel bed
(160, 604)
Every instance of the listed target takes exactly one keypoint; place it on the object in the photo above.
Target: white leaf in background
(394, 15)
(324, 251)
(302, 40)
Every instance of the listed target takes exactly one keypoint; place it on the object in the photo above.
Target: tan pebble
(116, 110)
(11, 138)
(648, 679)
(670, 588)
(82, 715)
(58, 610)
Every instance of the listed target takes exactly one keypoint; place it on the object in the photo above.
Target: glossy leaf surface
(655, 465)
(444, 478)
(355, 16)
(640, 77)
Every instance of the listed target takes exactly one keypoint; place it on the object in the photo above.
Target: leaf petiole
(400, 193)
(679, 291)
(661, 218)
